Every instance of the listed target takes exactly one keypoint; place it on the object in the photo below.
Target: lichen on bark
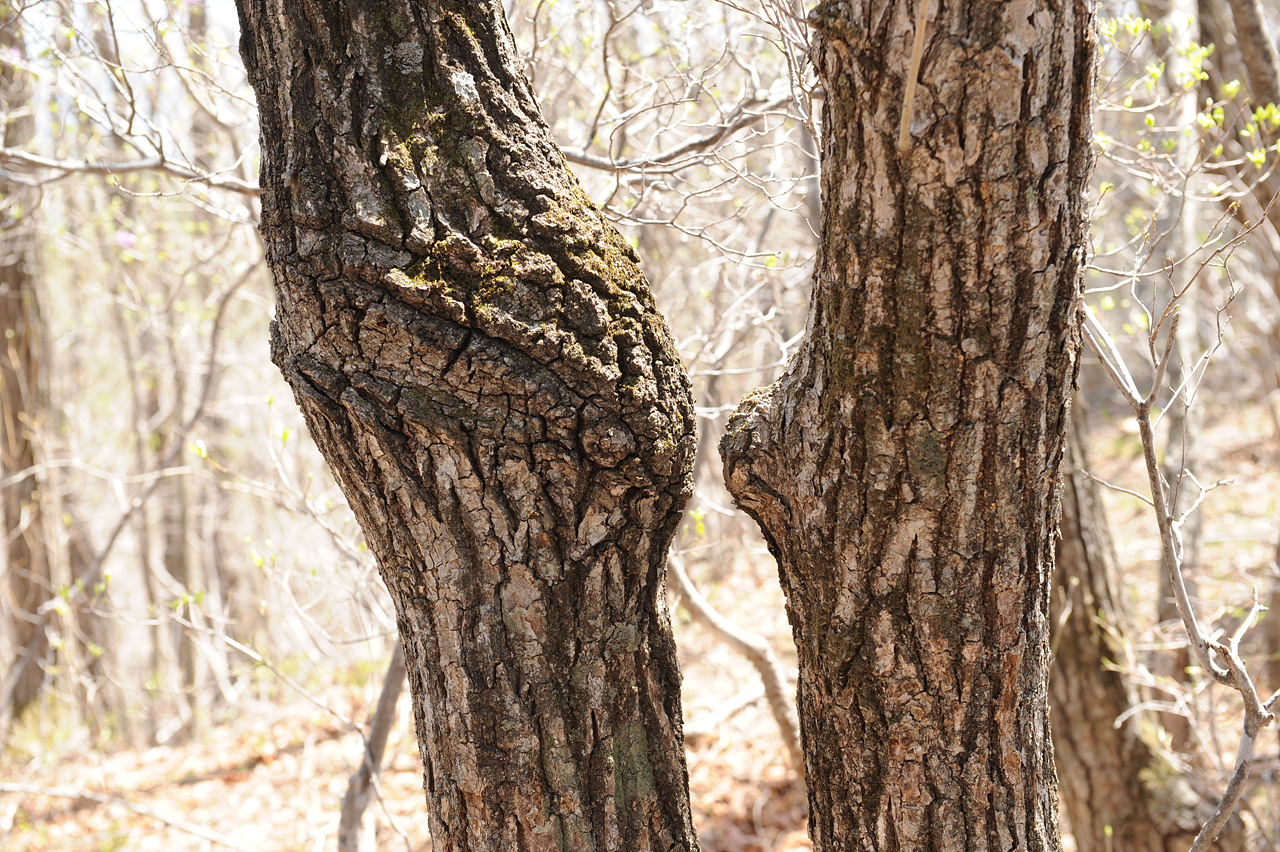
(480, 360)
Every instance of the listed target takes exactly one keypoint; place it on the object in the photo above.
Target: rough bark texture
(27, 573)
(905, 469)
(480, 360)
(1119, 788)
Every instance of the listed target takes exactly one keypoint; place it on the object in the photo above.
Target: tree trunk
(1119, 788)
(175, 518)
(1261, 60)
(905, 469)
(479, 358)
(1258, 51)
(27, 573)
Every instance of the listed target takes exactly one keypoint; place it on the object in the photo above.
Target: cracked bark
(905, 469)
(480, 360)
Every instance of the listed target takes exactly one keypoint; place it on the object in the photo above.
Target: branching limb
(1104, 347)
(1199, 643)
(1231, 671)
(60, 168)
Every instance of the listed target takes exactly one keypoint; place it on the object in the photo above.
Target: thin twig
(1114, 487)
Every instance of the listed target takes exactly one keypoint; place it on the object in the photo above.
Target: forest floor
(269, 777)
(272, 780)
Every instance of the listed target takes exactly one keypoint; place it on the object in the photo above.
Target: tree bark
(905, 469)
(1119, 788)
(480, 360)
(27, 573)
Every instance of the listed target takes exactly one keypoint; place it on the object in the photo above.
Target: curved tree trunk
(905, 470)
(479, 358)
(1119, 788)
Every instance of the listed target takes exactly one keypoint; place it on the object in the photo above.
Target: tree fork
(905, 469)
(480, 360)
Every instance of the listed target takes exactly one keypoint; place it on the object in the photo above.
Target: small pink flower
(126, 239)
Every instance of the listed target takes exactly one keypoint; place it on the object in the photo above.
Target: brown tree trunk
(1257, 50)
(27, 574)
(905, 470)
(1261, 61)
(175, 518)
(479, 358)
(1119, 788)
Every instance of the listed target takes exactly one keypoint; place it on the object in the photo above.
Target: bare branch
(754, 648)
(157, 163)
(742, 116)
(1105, 484)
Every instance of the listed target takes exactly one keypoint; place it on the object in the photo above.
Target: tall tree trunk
(211, 501)
(1119, 788)
(1261, 61)
(175, 519)
(138, 346)
(905, 469)
(178, 564)
(1257, 50)
(27, 574)
(479, 358)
